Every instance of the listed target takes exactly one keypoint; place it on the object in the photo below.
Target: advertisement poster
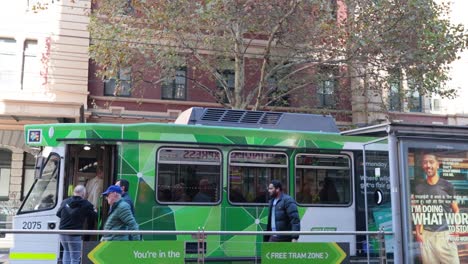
(439, 208)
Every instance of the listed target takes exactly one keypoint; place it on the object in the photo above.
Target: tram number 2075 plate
(31, 225)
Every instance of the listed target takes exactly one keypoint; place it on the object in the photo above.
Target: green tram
(186, 177)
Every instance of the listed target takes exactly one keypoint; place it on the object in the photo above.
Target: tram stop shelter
(428, 189)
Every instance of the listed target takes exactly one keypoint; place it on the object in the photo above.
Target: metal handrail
(188, 232)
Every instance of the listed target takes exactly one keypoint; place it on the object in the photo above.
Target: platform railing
(199, 237)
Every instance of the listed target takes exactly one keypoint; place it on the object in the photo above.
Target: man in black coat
(73, 213)
(283, 214)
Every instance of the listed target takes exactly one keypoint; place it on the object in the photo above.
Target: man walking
(73, 213)
(120, 216)
(283, 214)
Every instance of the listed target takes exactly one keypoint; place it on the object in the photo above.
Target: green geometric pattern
(137, 147)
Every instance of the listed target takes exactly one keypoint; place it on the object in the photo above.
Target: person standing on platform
(73, 213)
(120, 216)
(283, 214)
(125, 185)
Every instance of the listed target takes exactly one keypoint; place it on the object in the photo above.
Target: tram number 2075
(32, 225)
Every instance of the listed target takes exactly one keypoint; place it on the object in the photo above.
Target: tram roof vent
(257, 119)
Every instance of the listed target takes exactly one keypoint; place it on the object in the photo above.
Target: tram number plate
(32, 225)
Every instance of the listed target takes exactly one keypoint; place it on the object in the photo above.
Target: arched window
(5, 173)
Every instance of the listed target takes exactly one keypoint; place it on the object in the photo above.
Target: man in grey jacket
(283, 214)
(120, 217)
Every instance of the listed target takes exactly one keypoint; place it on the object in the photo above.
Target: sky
(459, 72)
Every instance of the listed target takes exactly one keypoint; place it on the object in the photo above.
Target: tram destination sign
(298, 253)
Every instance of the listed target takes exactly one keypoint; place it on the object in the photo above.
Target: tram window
(251, 171)
(43, 194)
(323, 179)
(188, 176)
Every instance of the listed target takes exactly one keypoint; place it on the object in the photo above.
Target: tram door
(92, 166)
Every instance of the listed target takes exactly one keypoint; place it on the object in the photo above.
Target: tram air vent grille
(270, 118)
(240, 116)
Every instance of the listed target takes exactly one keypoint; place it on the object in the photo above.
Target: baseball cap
(112, 188)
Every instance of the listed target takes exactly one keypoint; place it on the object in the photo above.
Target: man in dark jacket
(283, 214)
(125, 185)
(73, 213)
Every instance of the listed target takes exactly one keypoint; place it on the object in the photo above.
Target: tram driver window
(188, 176)
(323, 179)
(43, 194)
(250, 172)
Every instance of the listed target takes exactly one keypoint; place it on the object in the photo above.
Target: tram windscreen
(43, 193)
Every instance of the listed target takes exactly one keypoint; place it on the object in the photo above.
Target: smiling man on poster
(432, 231)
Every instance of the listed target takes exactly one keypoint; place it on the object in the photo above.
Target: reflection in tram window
(323, 179)
(188, 175)
(250, 172)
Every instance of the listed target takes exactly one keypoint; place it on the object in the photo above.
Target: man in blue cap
(120, 215)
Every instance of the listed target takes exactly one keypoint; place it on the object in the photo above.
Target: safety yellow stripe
(32, 256)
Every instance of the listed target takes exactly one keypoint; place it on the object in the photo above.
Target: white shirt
(273, 217)
(94, 190)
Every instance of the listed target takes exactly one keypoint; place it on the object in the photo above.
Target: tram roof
(81, 133)
(258, 119)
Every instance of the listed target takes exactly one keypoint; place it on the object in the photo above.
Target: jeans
(71, 249)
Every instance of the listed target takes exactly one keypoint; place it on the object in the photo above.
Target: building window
(326, 89)
(332, 8)
(395, 97)
(29, 163)
(5, 173)
(30, 72)
(277, 92)
(176, 88)
(229, 77)
(436, 104)
(414, 98)
(7, 62)
(120, 86)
